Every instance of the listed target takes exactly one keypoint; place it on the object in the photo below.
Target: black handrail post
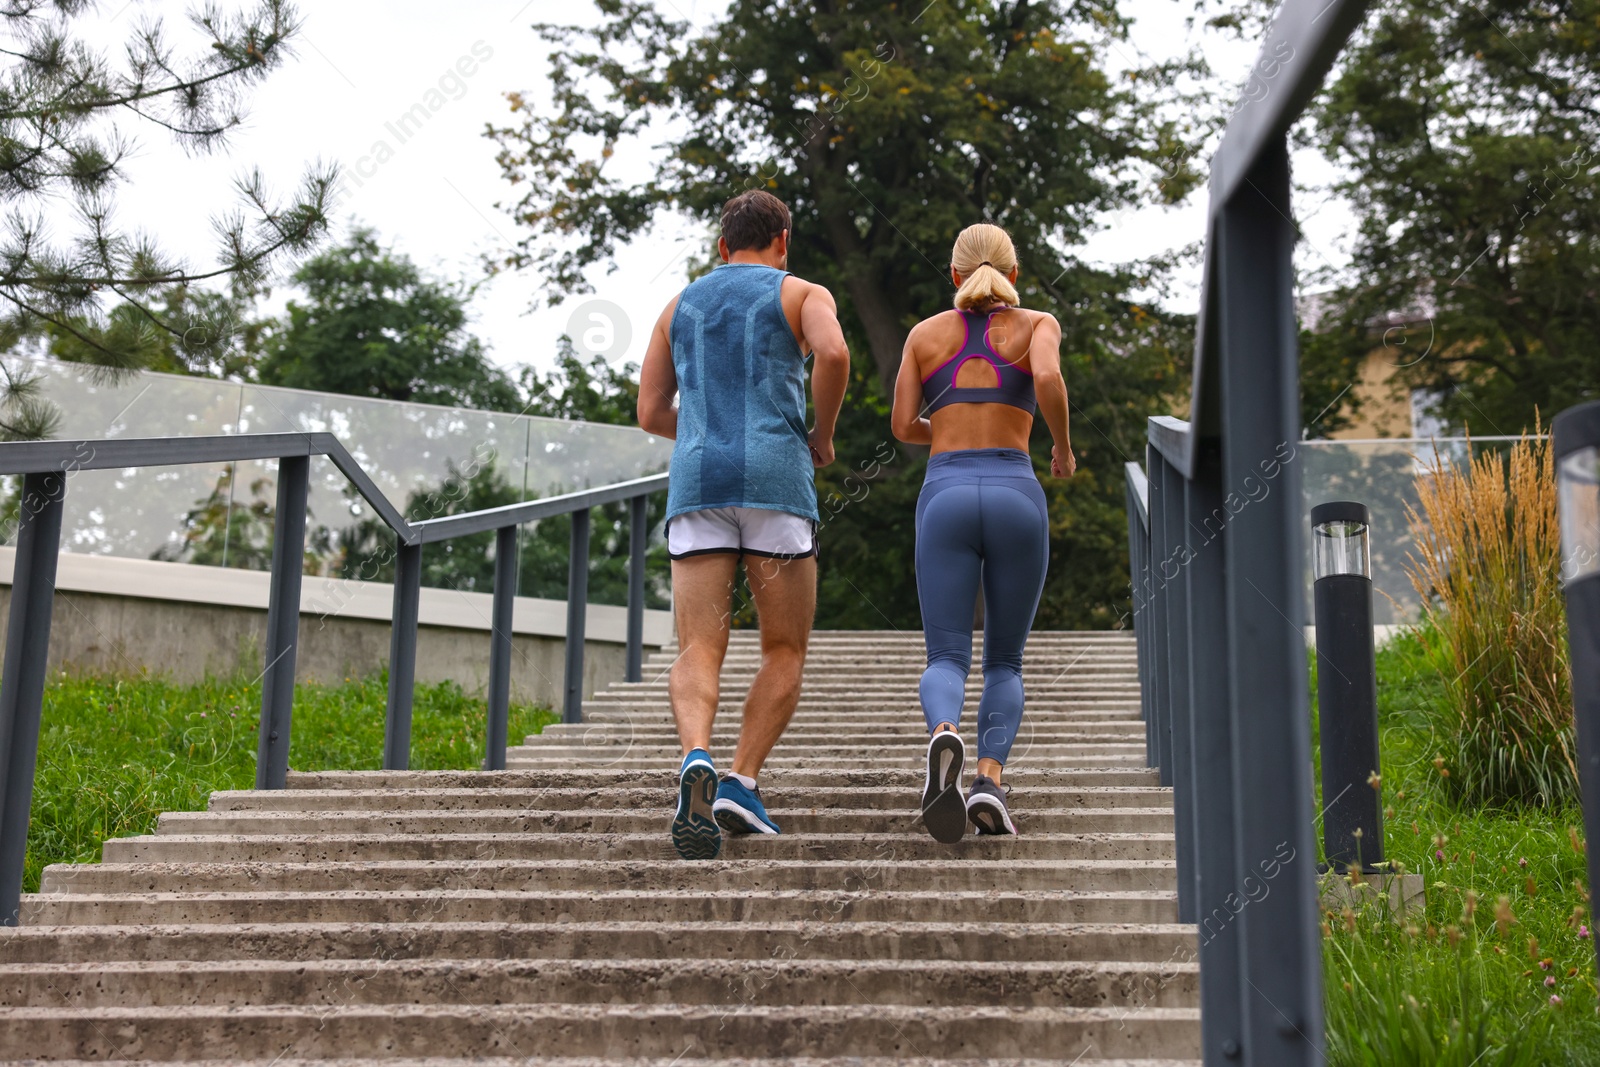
(637, 532)
(505, 595)
(402, 657)
(1258, 374)
(1160, 618)
(577, 616)
(1178, 702)
(283, 622)
(1217, 900)
(33, 587)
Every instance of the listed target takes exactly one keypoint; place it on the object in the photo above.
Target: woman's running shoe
(986, 807)
(739, 809)
(695, 833)
(943, 812)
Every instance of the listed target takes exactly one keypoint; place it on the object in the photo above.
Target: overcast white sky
(363, 64)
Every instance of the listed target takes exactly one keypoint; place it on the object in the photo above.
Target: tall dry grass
(1487, 566)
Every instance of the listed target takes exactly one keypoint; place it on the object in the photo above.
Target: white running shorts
(746, 531)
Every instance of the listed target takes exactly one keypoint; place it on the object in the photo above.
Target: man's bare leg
(702, 596)
(785, 593)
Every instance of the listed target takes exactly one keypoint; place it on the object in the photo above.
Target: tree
(1467, 136)
(593, 392)
(374, 325)
(203, 332)
(887, 129)
(60, 104)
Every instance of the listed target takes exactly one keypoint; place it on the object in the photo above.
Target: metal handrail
(1138, 493)
(47, 466)
(1214, 547)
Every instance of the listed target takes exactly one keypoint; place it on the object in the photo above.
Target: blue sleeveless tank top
(741, 397)
(1015, 385)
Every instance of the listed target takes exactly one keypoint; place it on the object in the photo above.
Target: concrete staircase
(538, 915)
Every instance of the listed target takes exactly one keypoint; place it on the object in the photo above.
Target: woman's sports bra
(1015, 385)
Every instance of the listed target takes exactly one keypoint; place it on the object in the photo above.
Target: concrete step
(821, 749)
(793, 820)
(539, 916)
(663, 777)
(569, 875)
(320, 848)
(546, 981)
(693, 906)
(315, 942)
(654, 798)
(532, 758)
(598, 1030)
(846, 730)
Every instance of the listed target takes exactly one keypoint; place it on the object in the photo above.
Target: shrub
(1487, 566)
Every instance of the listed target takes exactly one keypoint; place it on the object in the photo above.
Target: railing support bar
(1258, 373)
(1217, 898)
(283, 622)
(637, 532)
(1160, 617)
(402, 657)
(505, 594)
(33, 587)
(1178, 701)
(577, 616)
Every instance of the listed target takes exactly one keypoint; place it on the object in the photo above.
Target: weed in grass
(115, 752)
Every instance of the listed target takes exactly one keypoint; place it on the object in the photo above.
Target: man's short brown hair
(753, 220)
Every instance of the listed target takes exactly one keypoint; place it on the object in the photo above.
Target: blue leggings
(981, 517)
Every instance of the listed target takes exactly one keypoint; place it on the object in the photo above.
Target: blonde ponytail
(984, 256)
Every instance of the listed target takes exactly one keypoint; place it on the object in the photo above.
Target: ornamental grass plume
(1487, 567)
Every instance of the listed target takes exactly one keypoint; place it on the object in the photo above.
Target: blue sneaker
(740, 811)
(694, 827)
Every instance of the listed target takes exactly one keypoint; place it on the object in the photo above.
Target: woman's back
(998, 413)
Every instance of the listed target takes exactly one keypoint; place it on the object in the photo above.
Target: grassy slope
(116, 752)
(1482, 997)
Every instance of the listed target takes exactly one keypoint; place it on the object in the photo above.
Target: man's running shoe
(986, 807)
(739, 809)
(943, 812)
(694, 828)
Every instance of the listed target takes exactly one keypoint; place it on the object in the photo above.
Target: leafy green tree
(61, 140)
(1467, 137)
(888, 128)
(373, 324)
(595, 391)
(220, 531)
(592, 391)
(573, 389)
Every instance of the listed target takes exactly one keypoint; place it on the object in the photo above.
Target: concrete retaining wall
(183, 621)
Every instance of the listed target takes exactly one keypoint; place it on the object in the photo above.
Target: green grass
(116, 752)
(1456, 986)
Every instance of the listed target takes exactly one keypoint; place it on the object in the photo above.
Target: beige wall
(1386, 403)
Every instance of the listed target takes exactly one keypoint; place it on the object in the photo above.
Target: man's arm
(905, 419)
(658, 380)
(1044, 360)
(830, 368)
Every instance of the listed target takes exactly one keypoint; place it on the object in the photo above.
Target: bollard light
(1339, 532)
(1347, 684)
(1575, 446)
